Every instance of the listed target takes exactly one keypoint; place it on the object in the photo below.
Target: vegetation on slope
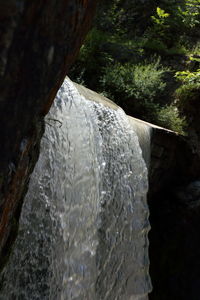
(145, 56)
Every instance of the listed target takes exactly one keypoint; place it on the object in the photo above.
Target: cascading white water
(84, 223)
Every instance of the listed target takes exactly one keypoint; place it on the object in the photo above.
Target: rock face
(174, 202)
(174, 216)
(39, 40)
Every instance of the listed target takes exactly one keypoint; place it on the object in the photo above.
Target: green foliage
(187, 93)
(196, 49)
(166, 27)
(141, 82)
(159, 31)
(125, 17)
(140, 87)
(188, 77)
(189, 14)
(116, 59)
(169, 117)
(188, 101)
(194, 59)
(160, 18)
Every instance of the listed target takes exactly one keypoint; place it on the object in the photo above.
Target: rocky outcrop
(39, 40)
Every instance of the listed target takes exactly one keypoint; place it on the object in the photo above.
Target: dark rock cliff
(174, 202)
(39, 40)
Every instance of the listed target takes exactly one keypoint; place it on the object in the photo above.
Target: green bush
(140, 82)
(172, 24)
(138, 89)
(190, 14)
(196, 49)
(169, 117)
(188, 102)
(187, 93)
(188, 77)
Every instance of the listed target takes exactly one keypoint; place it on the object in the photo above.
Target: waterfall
(84, 223)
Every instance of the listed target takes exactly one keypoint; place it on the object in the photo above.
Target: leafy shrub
(136, 88)
(160, 22)
(169, 117)
(142, 81)
(189, 14)
(188, 77)
(161, 29)
(187, 93)
(168, 24)
(196, 49)
(188, 102)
